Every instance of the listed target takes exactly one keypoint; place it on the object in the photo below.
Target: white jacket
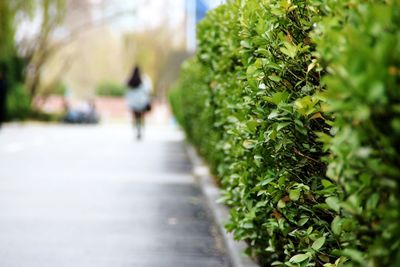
(138, 98)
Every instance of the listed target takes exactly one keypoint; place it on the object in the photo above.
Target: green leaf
(305, 105)
(354, 255)
(336, 225)
(270, 135)
(312, 65)
(333, 203)
(275, 78)
(318, 243)
(303, 221)
(326, 183)
(272, 66)
(298, 258)
(323, 257)
(232, 119)
(294, 194)
(248, 225)
(251, 70)
(249, 144)
(273, 114)
(252, 125)
(289, 49)
(281, 204)
(277, 97)
(282, 125)
(245, 44)
(310, 230)
(372, 201)
(347, 224)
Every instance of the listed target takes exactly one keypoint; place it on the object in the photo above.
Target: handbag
(148, 107)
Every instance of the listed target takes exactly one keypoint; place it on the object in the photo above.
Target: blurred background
(82, 195)
(82, 51)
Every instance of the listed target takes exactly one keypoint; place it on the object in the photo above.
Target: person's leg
(142, 120)
(138, 124)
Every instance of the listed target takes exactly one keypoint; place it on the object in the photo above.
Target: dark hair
(135, 79)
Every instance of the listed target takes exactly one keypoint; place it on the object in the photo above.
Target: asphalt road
(84, 196)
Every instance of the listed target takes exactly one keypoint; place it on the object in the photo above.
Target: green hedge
(60, 89)
(110, 88)
(17, 97)
(295, 105)
(361, 49)
(18, 104)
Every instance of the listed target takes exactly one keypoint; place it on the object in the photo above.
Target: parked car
(84, 113)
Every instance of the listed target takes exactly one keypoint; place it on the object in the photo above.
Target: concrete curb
(234, 249)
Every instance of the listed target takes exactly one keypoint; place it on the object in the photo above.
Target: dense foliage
(10, 65)
(362, 51)
(110, 88)
(295, 104)
(18, 103)
(20, 83)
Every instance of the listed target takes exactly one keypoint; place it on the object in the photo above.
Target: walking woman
(138, 99)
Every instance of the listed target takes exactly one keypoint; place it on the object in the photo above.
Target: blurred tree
(6, 30)
(69, 40)
(80, 51)
(95, 56)
(11, 67)
(168, 72)
(159, 54)
(37, 49)
(8, 12)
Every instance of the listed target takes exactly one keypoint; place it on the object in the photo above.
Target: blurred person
(3, 94)
(90, 114)
(138, 99)
(85, 113)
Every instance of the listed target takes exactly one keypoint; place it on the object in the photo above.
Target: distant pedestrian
(3, 94)
(138, 99)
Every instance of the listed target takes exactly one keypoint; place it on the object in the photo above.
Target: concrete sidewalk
(93, 196)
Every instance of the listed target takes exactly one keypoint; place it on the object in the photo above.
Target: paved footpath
(92, 196)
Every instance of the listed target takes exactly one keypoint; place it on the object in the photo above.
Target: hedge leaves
(295, 105)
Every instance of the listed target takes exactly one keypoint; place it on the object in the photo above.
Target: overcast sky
(149, 13)
(126, 15)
